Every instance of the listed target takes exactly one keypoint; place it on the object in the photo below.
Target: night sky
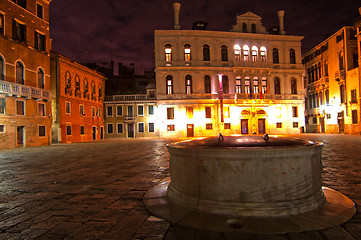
(96, 30)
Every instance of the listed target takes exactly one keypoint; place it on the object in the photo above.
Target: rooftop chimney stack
(176, 8)
(281, 15)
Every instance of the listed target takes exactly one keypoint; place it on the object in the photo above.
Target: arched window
(292, 56)
(312, 74)
(340, 60)
(187, 52)
(2, 68)
(86, 88)
(254, 53)
(253, 28)
(41, 78)
(255, 85)
(326, 68)
(277, 86)
(20, 72)
(207, 84)
(100, 90)
(264, 85)
(327, 97)
(244, 27)
(169, 84)
(77, 86)
(247, 85)
(206, 54)
(188, 83)
(168, 52)
(321, 98)
(93, 96)
(245, 53)
(316, 72)
(237, 52)
(263, 53)
(224, 53)
(316, 100)
(225, 84)
(319, 70)
(275, 56)
(293, 86)
(238, 84)
(67, 80)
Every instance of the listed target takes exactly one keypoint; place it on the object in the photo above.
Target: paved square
(95, 191)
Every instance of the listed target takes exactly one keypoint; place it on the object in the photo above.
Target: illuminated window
(109, 111)
(188, 83)
(169, 83)
(208, 112)
(168, 53)
(225, 84)
(224, 53)
(19, 32)
(247, 85)
(170, 127)
(20, 73)
(209, 126)
(275, 56)
(150, 127)
(254, 54)
(67, 81)
(245, 53)
(67, 108)
(294, 112)
(2, 24)
(119, 110)
(292, 56)
(227, 126)
(238, 84)
(207, 84)
(82, 130)
(263, 54)
(41, 109)
(39, 10)
(120, 128)
(68, 130)
(40, 41)
(264, 85)
(150, 109)
(293, 86)
(2, 105)
(81, 110)
(41, 78)
(295, 124)
(342, 93)
(140, 127)
(86, 89)
(77, 86)
(189, 112)
(277, 86)
(206, 53)
(354, 117)
(187, 52)
(237, 52)
(110, 128)
(255, 85)
(170, 113)
(244, 27)
(279, 125)
(140, 110)
(253, 28)
(42, 132)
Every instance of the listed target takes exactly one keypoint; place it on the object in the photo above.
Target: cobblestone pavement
(95, 190)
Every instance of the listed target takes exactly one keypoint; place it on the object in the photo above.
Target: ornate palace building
(246, 81)
(333, 83)
(25, 110)
(77, 101)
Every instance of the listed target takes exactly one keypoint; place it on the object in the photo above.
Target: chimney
(176, 8)
(281, 15)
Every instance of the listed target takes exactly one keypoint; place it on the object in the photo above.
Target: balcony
(10, 88)
(340, 75)
(138, 97)
(129, 118)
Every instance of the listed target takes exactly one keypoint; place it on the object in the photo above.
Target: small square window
(227, 126)
(2, 128)
(170, 127)
(295, 124)
(209, 126)
(279, 125)
(67, 108)
(294, 112)
(82, 130)
(68, 130)
(140, 127)
(151, 127)
(119, 128)
(42, 132)
(170, 113)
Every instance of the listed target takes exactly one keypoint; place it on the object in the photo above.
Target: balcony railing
(23, 90)
(237, 96)
(137, 97)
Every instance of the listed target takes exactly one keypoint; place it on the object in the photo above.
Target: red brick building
(77, 101)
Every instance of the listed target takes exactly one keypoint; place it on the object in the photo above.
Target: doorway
(130, 130)
(341, 125)
(261, 126)
(190, 130)
(20, 136)
(244, 126)
(322, 125)
(94, 133)
(101, 132)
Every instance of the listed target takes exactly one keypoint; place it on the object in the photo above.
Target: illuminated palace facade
(77, 101)
(241, 82)
(333, 84)
(25, 110)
